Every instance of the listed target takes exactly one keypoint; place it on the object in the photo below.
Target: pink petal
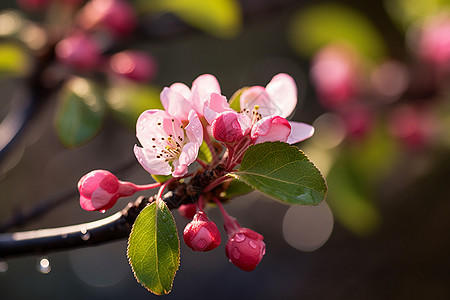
(182, 89)
(150, 163)
(201, 88)
(283, 93)
(215, 104)
(188, 155)
(175, 103)
(258, 96)
(299, 132)
(194, 130)
(270, 129)
(147, 126)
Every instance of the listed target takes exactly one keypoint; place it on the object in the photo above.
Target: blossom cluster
(170, 142)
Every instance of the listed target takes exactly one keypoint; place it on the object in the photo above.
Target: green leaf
(236, 188)
(154, 248)
(161, 178)
(222, 18)
(129, 100)
(80, 114)
(282, 172)
(204, 153)
(319, 25)
(235, 99)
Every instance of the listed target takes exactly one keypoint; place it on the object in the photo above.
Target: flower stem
(147, 186)
(215, 183)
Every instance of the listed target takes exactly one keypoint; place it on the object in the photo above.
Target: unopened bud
(79, 51)
(201, 234)
(188, 210)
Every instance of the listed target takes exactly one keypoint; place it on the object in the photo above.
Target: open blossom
(167, 146)
(265, 110)
(179, 99)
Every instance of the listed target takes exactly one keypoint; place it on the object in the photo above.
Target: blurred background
(373, 78)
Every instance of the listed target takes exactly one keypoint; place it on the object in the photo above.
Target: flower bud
(100, 190)
(133, 65)
(201, 234)
(230, 127)
(79, 51)
(188, 210)
(245, 247)
(116, 16)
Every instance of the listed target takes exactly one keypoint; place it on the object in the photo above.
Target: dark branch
(117, 226)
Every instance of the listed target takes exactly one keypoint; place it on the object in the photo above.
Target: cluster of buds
(94, 28)
(170, 140)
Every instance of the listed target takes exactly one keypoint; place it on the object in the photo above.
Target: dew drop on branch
(3, 266)
(43, 265)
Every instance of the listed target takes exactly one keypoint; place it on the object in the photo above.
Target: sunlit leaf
(222, 18)
(283, 172)
(314, 27)
(204, 153)
(154, 248)
(236, 188)
(13, 60)
(128, 101)
(161, 178)
(80, 114)
(407, 12)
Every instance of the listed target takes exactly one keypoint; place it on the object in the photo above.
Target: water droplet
(83, 231)
(43, 265)
(236, 253)
(252, 244)
(86, 236)
(3, 266)
(263, 250)
(239, 237)
(64, 236)
(102, 211)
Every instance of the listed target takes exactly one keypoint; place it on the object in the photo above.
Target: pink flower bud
(245, 247)
(230, 127)
(79, 51)
(134, 65)
(201, 234)
(188, 210)
(100, 189)
(114, 15)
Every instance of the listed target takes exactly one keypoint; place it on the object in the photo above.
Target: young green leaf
(80, 114)
(154, 248)
(204, 153)
(282, 172)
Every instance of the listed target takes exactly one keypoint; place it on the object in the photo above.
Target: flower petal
(147, 126)
(258, 96)
(283, 93)
(201, 88)
(194, 130)
(181, 89)
(271, 129)
(188, 155)
(214, 105)
(175, 103)
(299, 132)
(147, 159)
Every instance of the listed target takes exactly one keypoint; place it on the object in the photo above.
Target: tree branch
(108, 229)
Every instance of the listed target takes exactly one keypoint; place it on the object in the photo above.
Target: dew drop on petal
(3, 266)
(253, 244)
(43, 265)
(239, 237)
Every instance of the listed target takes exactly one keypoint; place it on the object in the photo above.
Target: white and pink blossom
(167, 146)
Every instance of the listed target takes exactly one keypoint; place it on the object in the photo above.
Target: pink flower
(100, 190)
(265, 109)
(80, 51)
(167, 146)
(117, 16)
(230, 127)
(201, 234)
(134, 65)
(245, 248)
(179, 99)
